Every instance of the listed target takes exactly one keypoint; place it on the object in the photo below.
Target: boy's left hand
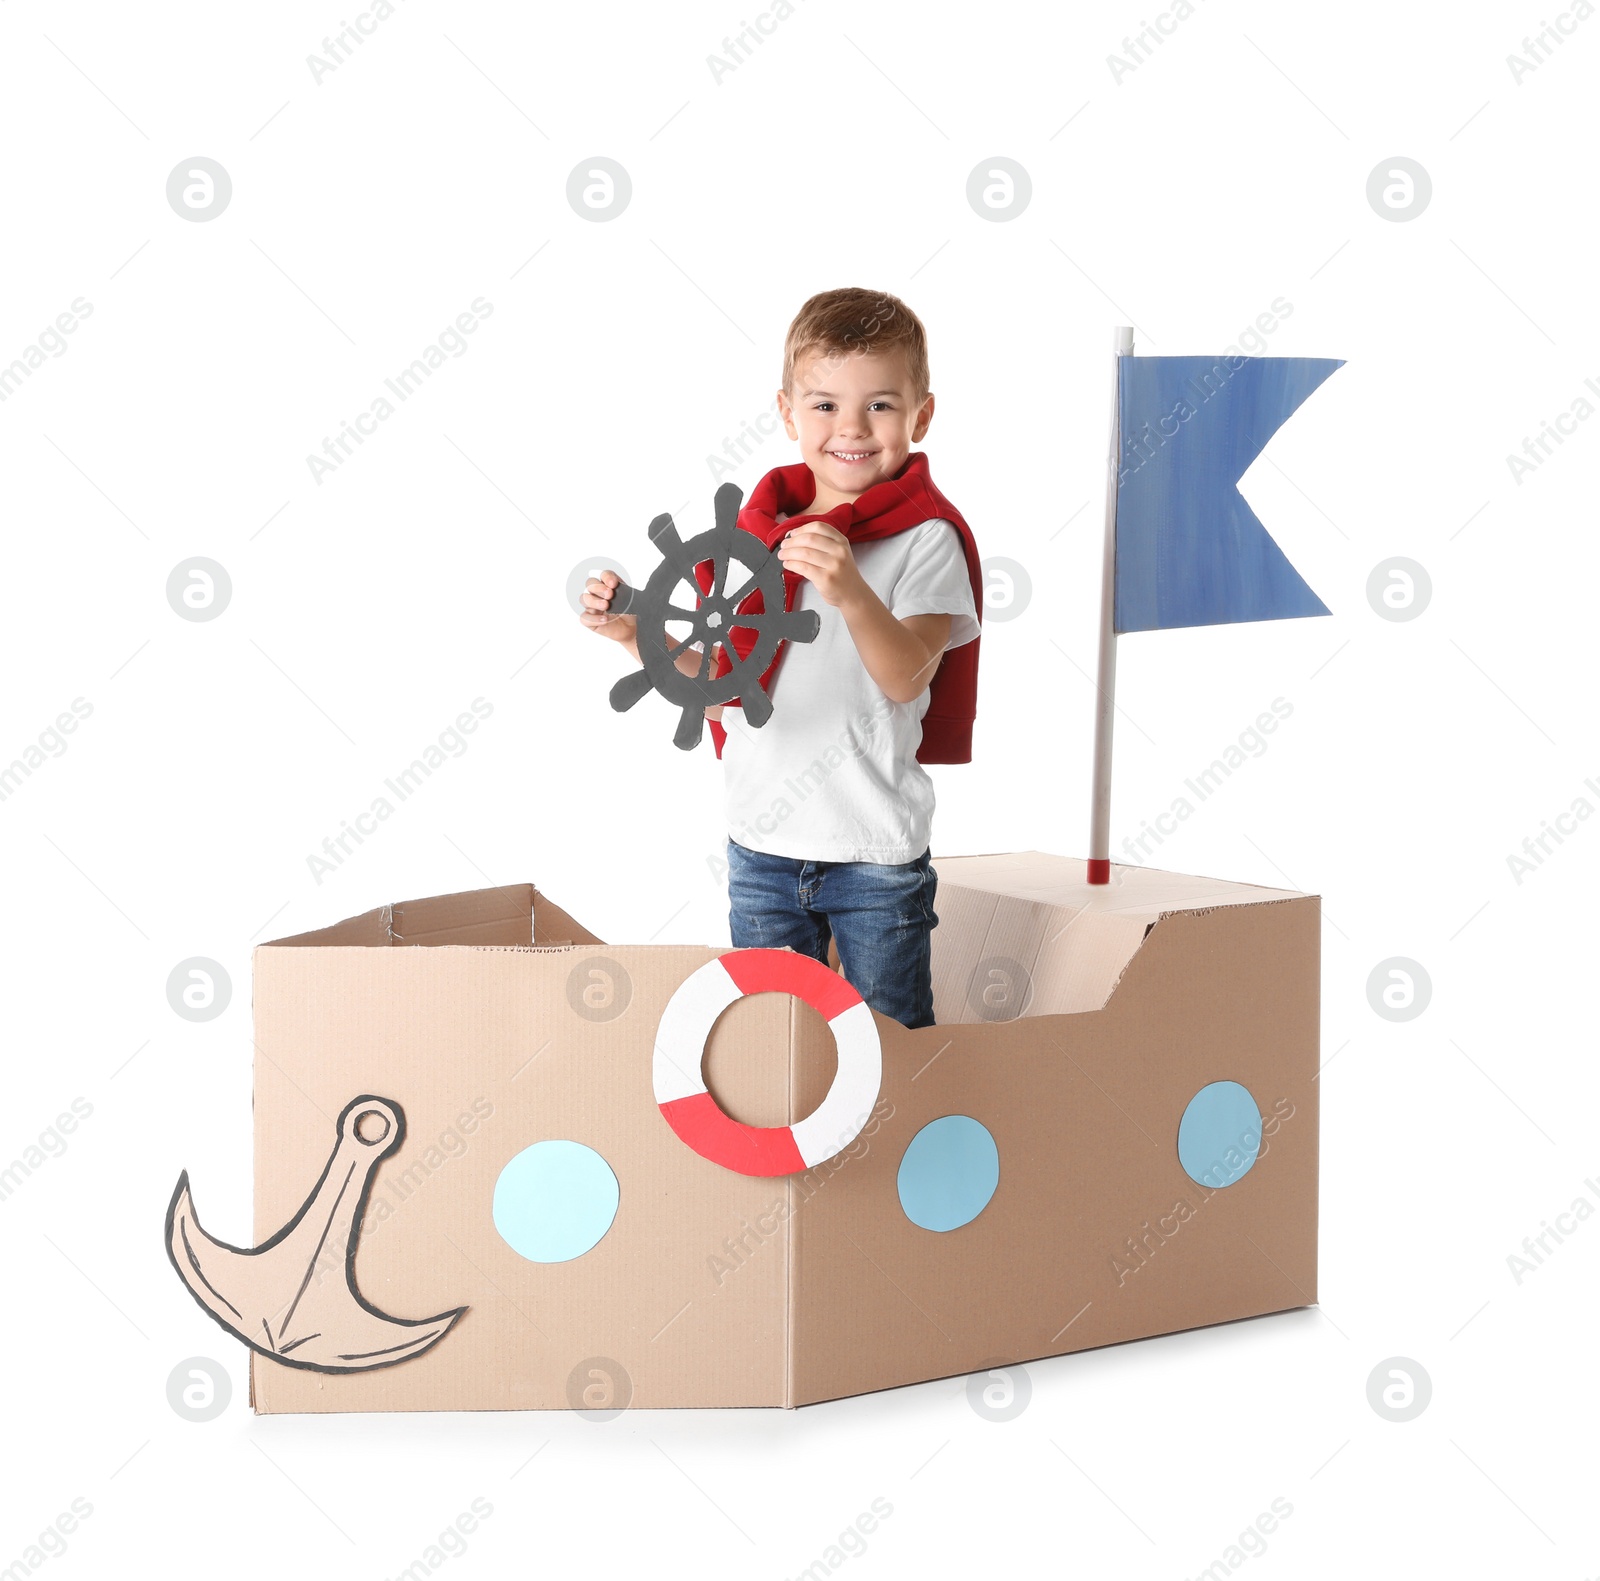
(821, 554)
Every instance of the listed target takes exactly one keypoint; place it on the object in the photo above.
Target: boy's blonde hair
(850, 322)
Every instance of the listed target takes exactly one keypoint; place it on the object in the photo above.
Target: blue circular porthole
(1219, 1136)
(949, 1173)
(555, 1201)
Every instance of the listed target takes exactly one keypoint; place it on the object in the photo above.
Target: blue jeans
(880, 915)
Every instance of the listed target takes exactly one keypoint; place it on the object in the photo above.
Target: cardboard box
(495, 1021)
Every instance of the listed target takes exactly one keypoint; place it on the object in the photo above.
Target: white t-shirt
(833, 775)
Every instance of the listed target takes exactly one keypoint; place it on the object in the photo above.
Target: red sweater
(906, 500)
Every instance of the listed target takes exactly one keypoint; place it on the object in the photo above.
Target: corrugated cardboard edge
(1200, 911)
(996, 903)
(519, 913)
(789, 1249)
(1116, 867)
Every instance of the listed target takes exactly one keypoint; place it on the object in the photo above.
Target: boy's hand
(598, 592)
(596, 613)
(821, 554)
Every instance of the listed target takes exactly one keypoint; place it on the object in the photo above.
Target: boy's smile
(856, 417)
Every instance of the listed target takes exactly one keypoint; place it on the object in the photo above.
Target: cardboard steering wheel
(726, 546)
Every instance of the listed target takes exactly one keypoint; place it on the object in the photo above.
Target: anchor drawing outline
(326, 1325)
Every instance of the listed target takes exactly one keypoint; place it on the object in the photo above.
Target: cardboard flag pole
(1106, 679)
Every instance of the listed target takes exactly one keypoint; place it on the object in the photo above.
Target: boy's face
(856, 417)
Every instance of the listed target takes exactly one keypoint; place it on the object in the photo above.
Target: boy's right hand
(596, 612)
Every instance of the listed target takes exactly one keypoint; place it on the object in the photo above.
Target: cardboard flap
(551, 925)
(370, 928)
(478, 916)
(508, 915)
(1025, 934)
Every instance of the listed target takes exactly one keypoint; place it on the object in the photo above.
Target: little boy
(829, 808)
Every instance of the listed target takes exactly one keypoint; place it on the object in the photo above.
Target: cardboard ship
(1111, 1133)
(502, 1164)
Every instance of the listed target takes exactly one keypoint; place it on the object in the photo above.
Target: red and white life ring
(697, 1117)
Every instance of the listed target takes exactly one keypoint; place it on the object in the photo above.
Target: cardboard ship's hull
(713, 1288)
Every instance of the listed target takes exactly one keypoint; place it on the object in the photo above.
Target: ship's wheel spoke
(720, 572)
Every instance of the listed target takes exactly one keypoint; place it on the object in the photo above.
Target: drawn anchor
(274, 1296)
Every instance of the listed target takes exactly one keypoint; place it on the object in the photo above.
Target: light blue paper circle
(555, 1201)
(949, 1173)
(1219, 1136)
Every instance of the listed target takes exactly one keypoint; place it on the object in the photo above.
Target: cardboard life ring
(697, 1117)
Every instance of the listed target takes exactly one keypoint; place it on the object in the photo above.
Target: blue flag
(1190, 551)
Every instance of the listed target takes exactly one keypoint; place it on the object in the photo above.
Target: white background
(368, 610)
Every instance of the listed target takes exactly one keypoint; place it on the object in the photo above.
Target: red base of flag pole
(1106, 682)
